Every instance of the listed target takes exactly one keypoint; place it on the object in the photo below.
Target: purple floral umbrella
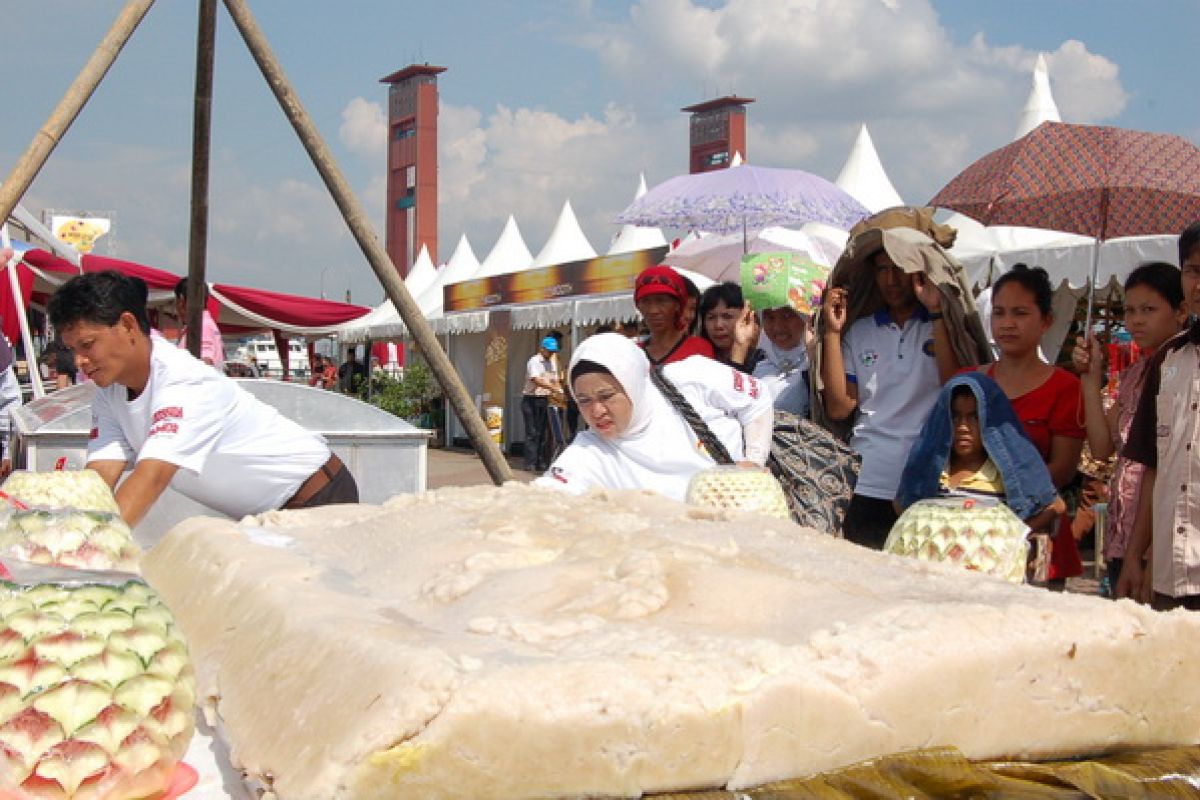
(743, 198)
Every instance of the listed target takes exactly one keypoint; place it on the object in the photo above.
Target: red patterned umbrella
(1092, 180)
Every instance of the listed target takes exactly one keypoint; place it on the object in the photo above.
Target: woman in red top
(1047, 399)
(659, 294)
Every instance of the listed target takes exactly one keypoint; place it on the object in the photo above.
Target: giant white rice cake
(521, 643)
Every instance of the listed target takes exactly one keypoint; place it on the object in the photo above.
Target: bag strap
(704, 433)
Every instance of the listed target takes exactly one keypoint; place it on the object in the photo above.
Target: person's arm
(109, 470)
(1064, 459)
(930, 296)
(839, 395)
(143, 487)
(1041, 522)
(745, 337)
(1089, 363)
(1133, 581)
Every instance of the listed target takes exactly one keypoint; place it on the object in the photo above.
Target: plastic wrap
(82, 489)
(70, 538)
(755, 491)
(978, 534)
(96, 688)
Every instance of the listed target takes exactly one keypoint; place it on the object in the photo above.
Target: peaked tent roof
(632, 237)
(863, 176)
(422, 274)
(509, 254)
(566, 242)
(461, 266)
(1040, 106)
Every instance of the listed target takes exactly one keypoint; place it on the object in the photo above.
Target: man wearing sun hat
(540, 382)
(660, 296)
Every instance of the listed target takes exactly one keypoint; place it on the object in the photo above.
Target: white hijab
(657, 450)
(782, 372)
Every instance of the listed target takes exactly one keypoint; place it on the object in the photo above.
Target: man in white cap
(540, 382)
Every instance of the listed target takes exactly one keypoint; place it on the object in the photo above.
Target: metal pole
(360, 227)
(206, 35)
(68, 108)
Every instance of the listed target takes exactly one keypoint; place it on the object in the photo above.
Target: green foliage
(410, 397)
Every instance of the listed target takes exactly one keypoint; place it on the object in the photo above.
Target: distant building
(717, 132)
(411, 215)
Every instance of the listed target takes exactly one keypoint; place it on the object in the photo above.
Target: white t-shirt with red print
(235, 454)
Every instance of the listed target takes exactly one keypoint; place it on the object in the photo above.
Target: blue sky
(551, 100)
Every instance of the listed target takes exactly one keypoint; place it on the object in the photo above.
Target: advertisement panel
(600, 275)
(79, 232)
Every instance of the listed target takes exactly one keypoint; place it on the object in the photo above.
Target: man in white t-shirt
(888, 366)
(540, 382)
(177, 421)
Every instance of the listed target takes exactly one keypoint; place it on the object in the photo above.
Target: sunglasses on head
(657, 280)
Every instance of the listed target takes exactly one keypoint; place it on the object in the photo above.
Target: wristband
(936, 315)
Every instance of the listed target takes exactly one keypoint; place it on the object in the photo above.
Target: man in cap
(540, 382)
(661, 297)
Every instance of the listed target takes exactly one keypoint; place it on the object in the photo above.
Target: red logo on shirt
(557, 474)
(163, 429)
(738, 383)
(94, 433)
(754, 388)
(167, 412)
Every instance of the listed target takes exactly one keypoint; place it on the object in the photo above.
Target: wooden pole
(360, 227)
(76, 97)
(197, 297)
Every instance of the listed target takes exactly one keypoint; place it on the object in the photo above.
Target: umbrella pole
(78, 93)
(35, 374)
(1087, 330)
(360, 227)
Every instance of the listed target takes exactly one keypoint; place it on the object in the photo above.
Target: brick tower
(717, 131)
(412, 175)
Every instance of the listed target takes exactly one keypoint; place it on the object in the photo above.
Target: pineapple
(981, 535)
(756, 491)
(96, 692)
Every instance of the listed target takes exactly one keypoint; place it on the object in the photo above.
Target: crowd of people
(896, 361)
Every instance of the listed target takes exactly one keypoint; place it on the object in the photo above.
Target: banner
(80, 232)
(774, 280)
(600, 275)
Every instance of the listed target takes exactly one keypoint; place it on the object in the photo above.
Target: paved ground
(455, 467)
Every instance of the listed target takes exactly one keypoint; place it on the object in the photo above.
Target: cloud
(364, 127)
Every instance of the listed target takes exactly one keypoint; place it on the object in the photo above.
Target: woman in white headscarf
(636, 439)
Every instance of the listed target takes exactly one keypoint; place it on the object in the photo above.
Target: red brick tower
(718, 130)
(411, 215)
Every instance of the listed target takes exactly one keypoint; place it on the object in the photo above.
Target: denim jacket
(1027, 484)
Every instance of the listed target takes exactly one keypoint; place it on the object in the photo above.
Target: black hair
(1035, 280)
(181, 289)
(1189, 241)
(693, 291)
(556, 336)
(728, 293)
(100, 298)
(1160, 277)
(962, 390)
(585, 367)
(606, 329)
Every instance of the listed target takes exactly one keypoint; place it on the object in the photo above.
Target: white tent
(633, 237)
(461, 266)
(566, 242)
(422, 274)
(509, 254)
(864, 178)
(1040, 106)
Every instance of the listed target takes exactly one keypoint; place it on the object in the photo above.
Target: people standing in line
(1155, 311)
(1165, 438)
(1047, 398)
(317, 378)
(730, 326)
(212, 347)
(661, 297)
(540, 383)
(784, 366)
(887, 367)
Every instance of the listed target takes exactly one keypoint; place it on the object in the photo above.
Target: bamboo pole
(68, 108)
(201, 138)
(206, 34)
(360, 227)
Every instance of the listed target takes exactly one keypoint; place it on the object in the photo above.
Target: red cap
(659, 280)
